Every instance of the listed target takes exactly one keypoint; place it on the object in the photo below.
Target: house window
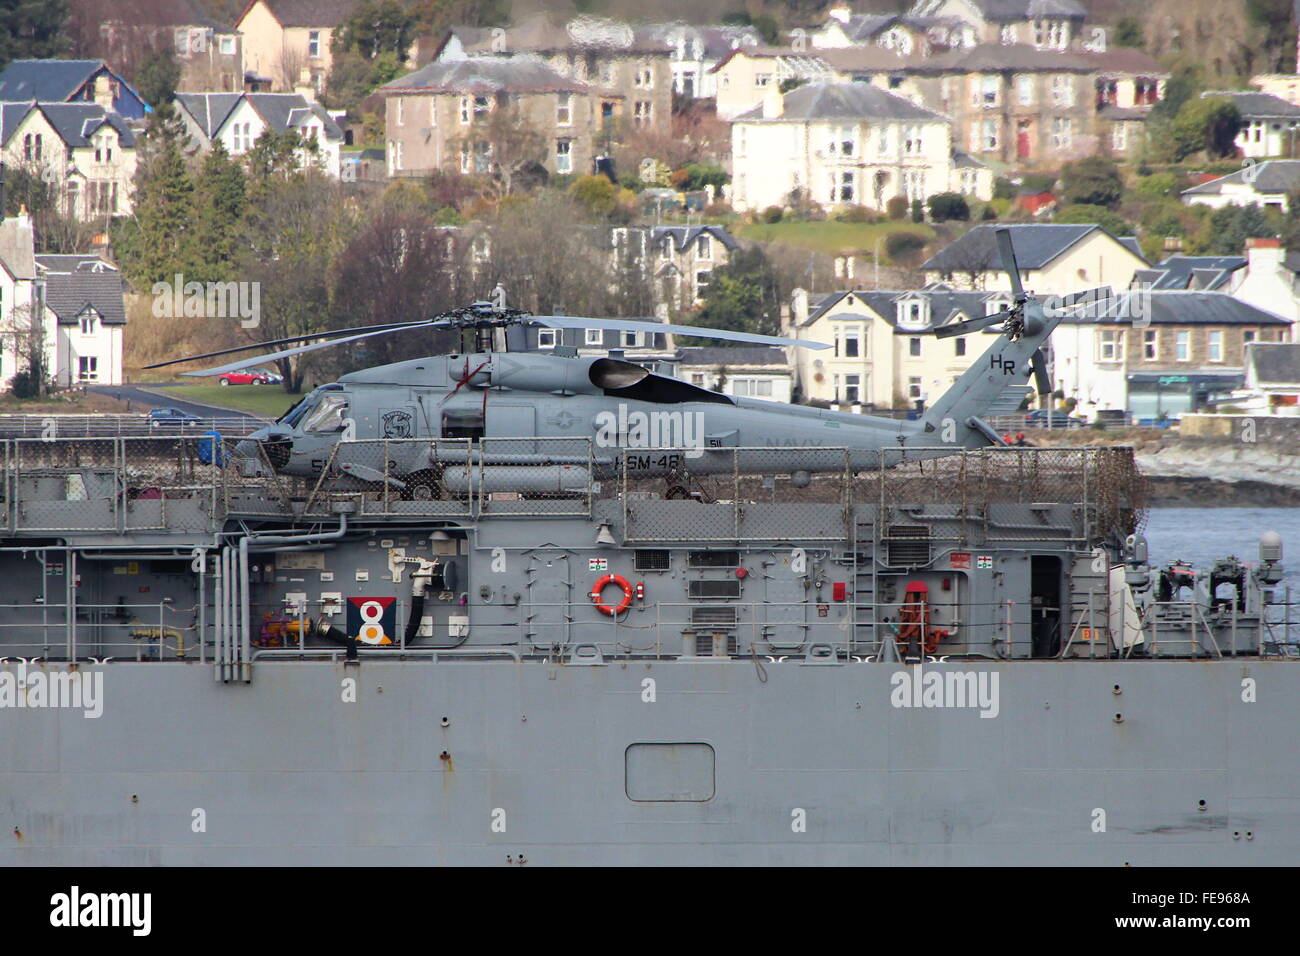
(182, 42)
(401, 111)
(842, 186)
(1150, 346)
(631, 340)
(546, 338)
(645, 77)
(762, 79)
(914, 387)
(1063, 89)
(1025, 89)
(988, 91)
(1248, 336)
(397, 156)
(564, 155)
(852, 345)
(697, 379)
(843, 141)
(1215, 347)
(959, 346)
(1111, 346)
(313, 44)
(227, 46)
(702, 282)
(464, 111)
(481, 107)
(642, 113)
(1008, 35)
(912, 145)
(1183, 346)
(852, 390)
(1119, 137)
(595, 337)
(1062, 132)
(88, 323)
(882, 143)
(704, 247)
(990, 138)
(751, 387)
(563, 109)
(87, 368)
(914, 346)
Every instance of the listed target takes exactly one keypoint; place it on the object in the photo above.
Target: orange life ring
(599, 587)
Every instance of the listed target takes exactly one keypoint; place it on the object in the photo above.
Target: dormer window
(88, 322)
(704, 248)
(913, 313)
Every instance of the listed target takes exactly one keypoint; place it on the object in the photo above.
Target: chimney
(1173, 244)
(841, 12)
(1264, 255)
(798, 307)
(2, 192)
(773, 103)
(104, 93)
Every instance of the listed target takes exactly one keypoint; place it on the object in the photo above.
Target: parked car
(271, 376)
(246, 376)
(172, 417)
(1037, 418)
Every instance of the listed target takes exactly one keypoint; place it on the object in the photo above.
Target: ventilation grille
(713, 616)
(652, 560)
(711, 645)
(714, 589)
(909, 545)
(713, 559)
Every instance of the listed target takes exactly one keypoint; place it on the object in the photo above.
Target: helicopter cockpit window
(328, 415)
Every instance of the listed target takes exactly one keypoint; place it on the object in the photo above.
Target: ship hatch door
(1045, 602)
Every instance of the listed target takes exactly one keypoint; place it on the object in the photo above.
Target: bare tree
(507, 150)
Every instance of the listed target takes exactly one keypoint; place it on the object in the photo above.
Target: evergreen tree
(220, 193)
(159, 240)
(33, 29)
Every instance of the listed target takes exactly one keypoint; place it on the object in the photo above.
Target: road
(141, 401)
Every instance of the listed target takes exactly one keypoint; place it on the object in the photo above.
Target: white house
(1157, 355)
(743, 372)
(80, 327)
(696, 50)
(1054, 259)
(844, 144)
(1268, 123)
(238, 120)
(1265, 184)
(1272, 385)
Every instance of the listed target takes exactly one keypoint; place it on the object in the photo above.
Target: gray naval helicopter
(662, 426)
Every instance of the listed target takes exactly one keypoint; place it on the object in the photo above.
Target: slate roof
(75, 123)
(716, 40)
(815, 101)
(1174, 307)
(1132, 245)
(1254, 105)
(306, 13)
(1270, 176)
(946, 305)
(46, 80)
(1013, 10)
(1187, 272)
(683, 236)
(1274, 363)
(1036, 244)
(539, 34)
(280, 111)
(175, 13)
(1004, 58)
(74, 262)
(69, 294)
(741, 355)
(515, 74)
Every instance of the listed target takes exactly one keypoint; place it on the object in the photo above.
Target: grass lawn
(833, 238)
(268, 401)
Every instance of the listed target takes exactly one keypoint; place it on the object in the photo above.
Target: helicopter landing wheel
(422, 486)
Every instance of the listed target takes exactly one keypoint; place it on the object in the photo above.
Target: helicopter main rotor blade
(1042, 381)
(633, 325)
(1009, 263)
(307, 337)
(285, 353)
(971, 325)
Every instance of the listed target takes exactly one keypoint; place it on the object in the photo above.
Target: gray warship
(956, 660)
(467, 610)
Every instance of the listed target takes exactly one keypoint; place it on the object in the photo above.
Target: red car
(245, 377)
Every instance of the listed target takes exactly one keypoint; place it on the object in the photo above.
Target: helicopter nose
(276, 444)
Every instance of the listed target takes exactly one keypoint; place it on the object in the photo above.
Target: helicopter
(653, 425)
